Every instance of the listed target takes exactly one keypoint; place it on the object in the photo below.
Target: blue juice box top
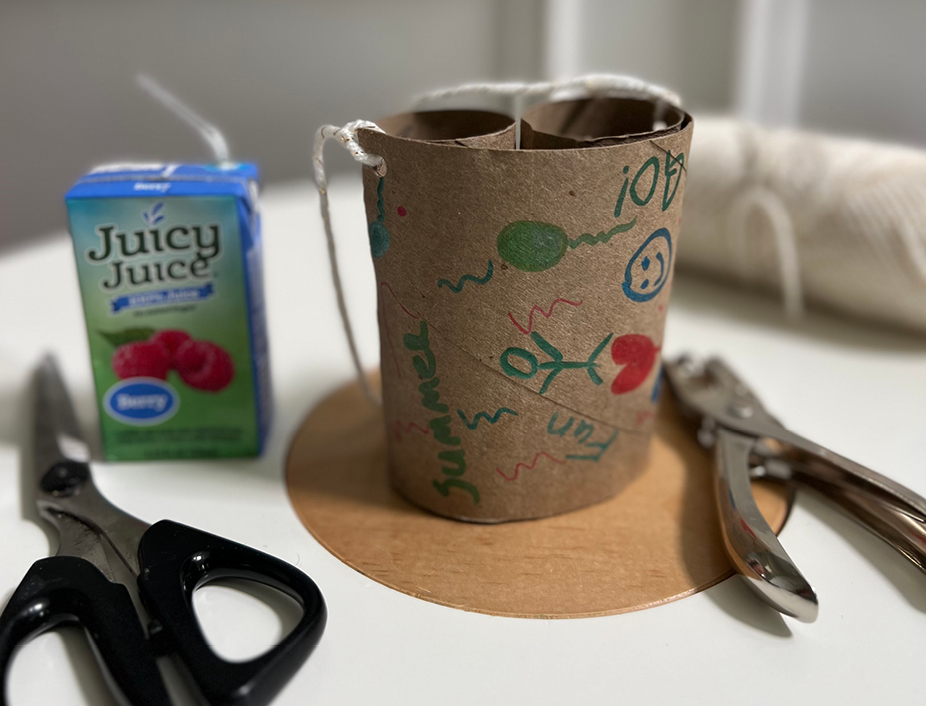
(121, 180)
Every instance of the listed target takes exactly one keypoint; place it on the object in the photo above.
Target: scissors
(169, 561)
(749, 442)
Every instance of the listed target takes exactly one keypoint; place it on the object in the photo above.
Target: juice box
(169, 261)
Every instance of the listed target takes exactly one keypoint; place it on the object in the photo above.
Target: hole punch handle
(176, 560)
(65, 590)
(891, 511)
(751, 544)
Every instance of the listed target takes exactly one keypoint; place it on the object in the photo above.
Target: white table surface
(859, 390)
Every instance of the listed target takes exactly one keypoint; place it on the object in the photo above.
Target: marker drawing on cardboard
(534, 246)
(525, 300)
(458, 287)
(521, 363)
(526, 329)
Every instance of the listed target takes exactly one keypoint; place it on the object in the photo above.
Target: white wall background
(270, 72)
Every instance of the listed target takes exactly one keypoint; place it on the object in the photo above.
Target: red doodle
(401, 211)
(401, 430)
(643, 415)
(546, 314)
(387, 286)
(519, 466)
(386, 325)
(637, 354)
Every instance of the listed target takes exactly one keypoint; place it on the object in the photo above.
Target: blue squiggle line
(485, 415)
(459, 286)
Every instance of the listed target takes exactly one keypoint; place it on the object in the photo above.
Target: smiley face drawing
(649, 267)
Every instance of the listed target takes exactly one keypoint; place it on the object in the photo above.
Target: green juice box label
(169, 261)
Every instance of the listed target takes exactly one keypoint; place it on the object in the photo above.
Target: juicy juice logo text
(131, 255)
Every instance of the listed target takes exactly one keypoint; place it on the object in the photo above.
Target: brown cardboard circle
(656, 542)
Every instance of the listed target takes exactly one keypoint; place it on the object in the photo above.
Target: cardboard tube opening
(599, 122)
(468, 128)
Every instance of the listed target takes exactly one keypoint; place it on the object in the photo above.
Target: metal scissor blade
(56, 434)
(80, 540)
(63, 482)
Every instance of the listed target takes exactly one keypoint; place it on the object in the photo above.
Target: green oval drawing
(379, 239)
(532, 246)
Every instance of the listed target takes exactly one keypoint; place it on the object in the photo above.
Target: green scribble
(671, 171)
(444, 486)
(635, 197)
(425, 365)
(379, 235)
(583, 433)
(555, 365)
(583, 428)
(602, 237)
(430, 397)
(456, 289)
(456, 457)
(602, 447)
(441, 428)
(535, 246)
(551, 428)
(472, 424)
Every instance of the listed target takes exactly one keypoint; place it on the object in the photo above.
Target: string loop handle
(589, 85)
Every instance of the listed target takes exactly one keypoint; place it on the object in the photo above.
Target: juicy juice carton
(169, 263)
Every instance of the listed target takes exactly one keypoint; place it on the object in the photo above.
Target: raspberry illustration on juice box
(202, 365)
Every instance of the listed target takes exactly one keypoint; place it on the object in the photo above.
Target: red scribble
(386, 326)
(643, 415)
(401, 211)
(387, 286)
(518, 466)
(400, 429)
(661, 307)
(395, 358)
(546, 314)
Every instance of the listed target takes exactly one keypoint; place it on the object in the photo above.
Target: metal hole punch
(749, 442)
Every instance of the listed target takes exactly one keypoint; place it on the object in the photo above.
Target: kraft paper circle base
(656, 542)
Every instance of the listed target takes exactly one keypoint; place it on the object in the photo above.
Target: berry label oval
(141, 401)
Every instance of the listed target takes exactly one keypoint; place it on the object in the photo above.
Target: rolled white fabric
(827, 221)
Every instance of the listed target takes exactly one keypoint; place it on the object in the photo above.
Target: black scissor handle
(175, 560)
(66, 590)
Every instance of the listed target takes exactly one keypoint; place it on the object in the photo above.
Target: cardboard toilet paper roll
(522, 297)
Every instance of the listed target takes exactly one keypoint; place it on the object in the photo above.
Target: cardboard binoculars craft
(522, 299)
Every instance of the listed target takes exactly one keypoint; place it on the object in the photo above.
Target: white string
(589, 85)
(770, 203)
(592, 84)
(209, 132)
(347, 136)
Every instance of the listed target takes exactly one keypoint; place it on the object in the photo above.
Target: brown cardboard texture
(522, 297)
